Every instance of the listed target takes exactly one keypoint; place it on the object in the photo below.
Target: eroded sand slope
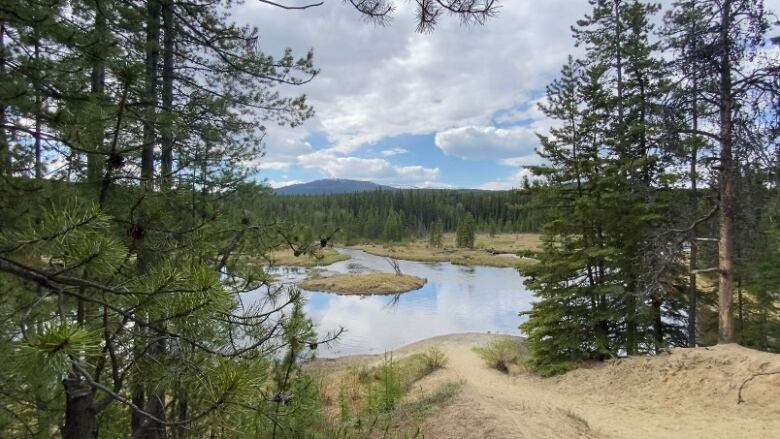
(689, 393)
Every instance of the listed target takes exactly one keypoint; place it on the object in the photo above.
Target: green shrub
(434, 359)
(384, 394)
(500, 353)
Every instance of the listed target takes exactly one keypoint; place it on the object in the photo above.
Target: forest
(132, 218)
(405, 214)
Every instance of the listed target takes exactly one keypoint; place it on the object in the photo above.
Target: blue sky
(454, 108)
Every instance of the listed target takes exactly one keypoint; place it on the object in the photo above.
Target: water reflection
(455, 299)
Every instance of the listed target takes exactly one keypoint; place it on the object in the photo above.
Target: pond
(455, 299)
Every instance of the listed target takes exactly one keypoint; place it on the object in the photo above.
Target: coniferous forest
(132, 223)
(363, 216)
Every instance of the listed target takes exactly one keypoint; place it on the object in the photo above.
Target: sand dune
(688, 393)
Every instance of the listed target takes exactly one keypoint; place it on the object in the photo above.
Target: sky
(455, 108)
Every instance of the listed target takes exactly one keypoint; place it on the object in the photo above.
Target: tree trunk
(167, 138)
(149, 125)
(144, 258)
(155, 405)
(5, 149)
(726, 244)
(694, 206)
(38, 110)
(80, 416)
(631, 325)
(658, 325)
(98, 86)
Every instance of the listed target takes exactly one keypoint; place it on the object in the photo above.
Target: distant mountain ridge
(332, 186)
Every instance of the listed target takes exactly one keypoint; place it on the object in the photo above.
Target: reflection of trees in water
(393, 302)
(355, 268)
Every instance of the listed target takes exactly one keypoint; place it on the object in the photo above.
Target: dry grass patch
(371, 283)
(286, 257)
(482, 254)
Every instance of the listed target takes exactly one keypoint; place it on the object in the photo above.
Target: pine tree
(575, 280)
(465, 232)
(435, 235)
(728, 34)
(391, 231)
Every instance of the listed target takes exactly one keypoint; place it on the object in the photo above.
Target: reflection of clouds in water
(455, 299)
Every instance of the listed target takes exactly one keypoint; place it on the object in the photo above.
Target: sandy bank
(687, 393)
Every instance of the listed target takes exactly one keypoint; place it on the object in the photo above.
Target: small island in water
(370, 283)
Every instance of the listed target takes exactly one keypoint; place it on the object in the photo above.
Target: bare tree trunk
(98, 86)
(631, 317)
(80, 415)
(726, 244)
(137, 393)
(145, 428)
(155, 405)
(38, 109)
(692, 287)
(169, 27)
(693, 294)
(5, 149)
(149, 125)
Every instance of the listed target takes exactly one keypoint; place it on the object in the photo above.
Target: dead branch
(749, 379)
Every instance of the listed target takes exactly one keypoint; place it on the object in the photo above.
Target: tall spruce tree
(603, 276)
(464, 235)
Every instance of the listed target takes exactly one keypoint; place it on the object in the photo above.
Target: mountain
(331, 186)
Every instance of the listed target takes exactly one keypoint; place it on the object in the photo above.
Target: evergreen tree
(435, 235)
(391, 231)
(605, 275)
(465, 232)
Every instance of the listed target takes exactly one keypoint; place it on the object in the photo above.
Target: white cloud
(375, 169)
(378, 82)
(393, 151)
(282, 146)
(514, 181)
(487, 142)
(525, 160)
(277, 166)
(282, 183)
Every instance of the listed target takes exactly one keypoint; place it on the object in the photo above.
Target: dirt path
(686, 394)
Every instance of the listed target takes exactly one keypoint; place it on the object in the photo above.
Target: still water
(455, 299)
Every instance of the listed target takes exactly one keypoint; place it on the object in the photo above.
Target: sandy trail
(690, 393)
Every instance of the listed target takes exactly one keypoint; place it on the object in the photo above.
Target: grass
(481, 254)
(371, 400)
(361, 390)
(501, 353)
(286, 257)
(371, 283)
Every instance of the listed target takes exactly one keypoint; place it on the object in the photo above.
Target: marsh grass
(370, 283)
(321, 257)
(522, 243)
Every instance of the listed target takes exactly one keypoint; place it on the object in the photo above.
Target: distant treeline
(402, 214)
